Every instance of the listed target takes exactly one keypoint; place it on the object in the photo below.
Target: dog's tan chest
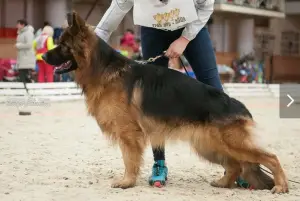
(110, 111)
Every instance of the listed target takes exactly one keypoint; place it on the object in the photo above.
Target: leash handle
(180, 59)
(152, 59)
(181, 62)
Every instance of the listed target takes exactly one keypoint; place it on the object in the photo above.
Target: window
(264, 44)
(290, 43)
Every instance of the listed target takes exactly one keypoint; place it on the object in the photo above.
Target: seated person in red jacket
(128, 39)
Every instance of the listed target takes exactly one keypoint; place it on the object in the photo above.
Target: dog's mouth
(65, 67)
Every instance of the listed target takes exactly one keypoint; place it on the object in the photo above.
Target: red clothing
(45, 70)
(129, 40)
(43, 44)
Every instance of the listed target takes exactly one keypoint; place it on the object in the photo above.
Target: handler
(176, 26)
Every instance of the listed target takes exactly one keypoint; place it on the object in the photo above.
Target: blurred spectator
(138, 43)
(57, 34)
(40, 30)
(138, 54)
(42, 44)
(25, 55)
(128, 40)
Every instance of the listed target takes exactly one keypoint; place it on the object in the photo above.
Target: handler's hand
(177, 48)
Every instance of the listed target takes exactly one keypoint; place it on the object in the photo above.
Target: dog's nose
(44, 57)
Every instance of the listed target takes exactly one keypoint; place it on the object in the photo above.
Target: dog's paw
(216, 183)
(280, 189)
(123, 183)
(222, 183)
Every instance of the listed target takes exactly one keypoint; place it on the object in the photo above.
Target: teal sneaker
(159, 174)
(243, 184)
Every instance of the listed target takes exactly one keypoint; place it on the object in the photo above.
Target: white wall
(292, 7)
(245, 36)
(14, 11)
(55, 12)
(232, 35)
(217, 31)
(224, 33)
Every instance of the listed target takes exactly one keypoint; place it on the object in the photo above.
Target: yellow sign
(168, 19)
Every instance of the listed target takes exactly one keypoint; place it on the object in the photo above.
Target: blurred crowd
(31, 45)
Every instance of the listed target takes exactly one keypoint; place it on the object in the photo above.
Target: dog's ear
(70, 19)
(75, 22)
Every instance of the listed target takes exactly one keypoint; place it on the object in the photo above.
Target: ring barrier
(247, 90)
(57, 91)
(53, 92)
(69, 91)
(11, 90)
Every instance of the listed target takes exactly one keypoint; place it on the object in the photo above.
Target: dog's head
(71, 47)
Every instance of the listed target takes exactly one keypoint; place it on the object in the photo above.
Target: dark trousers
(199, 53)
(24, 75)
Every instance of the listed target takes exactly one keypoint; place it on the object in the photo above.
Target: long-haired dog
(134, 104)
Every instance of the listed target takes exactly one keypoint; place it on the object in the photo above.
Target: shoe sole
(158, 184)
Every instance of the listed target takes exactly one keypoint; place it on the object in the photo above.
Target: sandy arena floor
(59, 154)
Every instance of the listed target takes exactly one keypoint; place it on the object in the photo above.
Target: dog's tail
(252, 172)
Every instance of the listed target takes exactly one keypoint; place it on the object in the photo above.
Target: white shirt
(118, 9)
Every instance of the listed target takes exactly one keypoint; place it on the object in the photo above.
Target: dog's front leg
(132, 147)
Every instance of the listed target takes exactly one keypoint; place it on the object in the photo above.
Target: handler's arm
(204, 10)
(112, 18)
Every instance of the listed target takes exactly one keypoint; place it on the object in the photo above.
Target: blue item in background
(57, 33)
(66, 77)
(36, 68)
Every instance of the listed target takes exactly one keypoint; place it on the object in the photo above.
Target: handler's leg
(201, 56)
(154, 42)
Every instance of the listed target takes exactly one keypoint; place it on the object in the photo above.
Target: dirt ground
(59, 154)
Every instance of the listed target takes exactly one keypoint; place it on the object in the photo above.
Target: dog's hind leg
(132, 145)
(232, 168)
(257, 155)
(240, 146)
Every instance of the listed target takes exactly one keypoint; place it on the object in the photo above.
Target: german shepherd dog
(134, 104)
